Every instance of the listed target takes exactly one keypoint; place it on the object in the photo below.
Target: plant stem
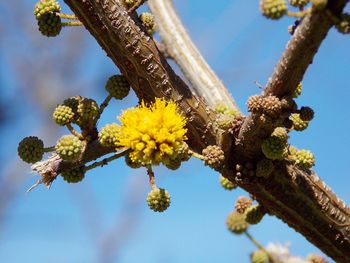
(103, 105)
(75, 23)
(105, 161)
(49, 149)
(73, 131)
(152, 180)
(259, 246)
(67, 16)
(196, 155)
(302, 13)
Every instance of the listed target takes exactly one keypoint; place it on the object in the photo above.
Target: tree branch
(181, 48)
(298, 198)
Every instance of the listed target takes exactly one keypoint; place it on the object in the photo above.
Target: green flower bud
(31, 149)
(118, 87)
(158, 200)
(107, 135)
(69, 148)
(63, 115)
(236, 223)
(74, 175)
(273, 9)
(227, 184)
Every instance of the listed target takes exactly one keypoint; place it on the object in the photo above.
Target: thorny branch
(298, 197)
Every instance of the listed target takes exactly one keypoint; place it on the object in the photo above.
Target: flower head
(152, 132)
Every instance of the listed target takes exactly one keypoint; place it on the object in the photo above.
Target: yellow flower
(154, 133)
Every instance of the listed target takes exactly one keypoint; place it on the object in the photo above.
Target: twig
(105, 161)
(73, 131)
(152, 180)
(67, 16)
(258, 245)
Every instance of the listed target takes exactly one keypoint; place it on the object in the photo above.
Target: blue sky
(68, 223)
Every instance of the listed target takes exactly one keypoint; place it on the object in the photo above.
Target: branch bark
(299, 198)
(181, 48)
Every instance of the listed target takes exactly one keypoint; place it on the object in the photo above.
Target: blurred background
(105, 218)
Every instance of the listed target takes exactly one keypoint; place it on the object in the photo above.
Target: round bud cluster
(319, 4)
(74, 175)
(299, 3)
(254, 103)
(274, 148)
(50, 24)
(174, 161)
(118, 87)
(298, 123)
(69, 148)
(227, 184)
(303, 158)
(242, 204)
(297, 91)
(46, 6)
(306, 113)
(236, 223)
(31, 149)
(63, 115)
(314, 258)
(255, 214)
(273, 9)
(132, 164)
(271, 105)
(259, 256)
(343, 26)
(172, 164)
(158, 200)
(213, 156)
(87, 111)
(224, 121)
(147, 20)
(107, 135)
(236, 125)
(264, 168)
(72, 103)
(280, 133)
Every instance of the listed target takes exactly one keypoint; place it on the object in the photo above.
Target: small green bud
(273, 9)
(74, 175)
(281, 133)
(227, 184)
(50, 24)
(297, 91)
(107, 135)
(46, 6)
(298, 123)
(254, 214)
(63, 115)
(274, 148)
(148, 22)
(236, 223)
(31, 149)
(303, 158)
(69, 148)
(118, 87)
(158, 200)
(343, 26)
(260, 256)
(87, 111)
